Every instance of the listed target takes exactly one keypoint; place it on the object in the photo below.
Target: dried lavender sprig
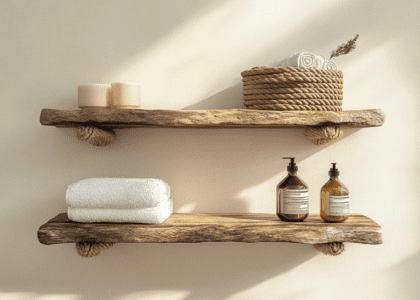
(345, 48)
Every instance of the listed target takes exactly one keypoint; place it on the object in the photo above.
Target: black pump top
(292, 166)
(333, 171)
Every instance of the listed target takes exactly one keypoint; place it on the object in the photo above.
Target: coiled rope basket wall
(294, 88)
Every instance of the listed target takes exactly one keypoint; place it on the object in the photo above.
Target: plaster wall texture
(189, 55)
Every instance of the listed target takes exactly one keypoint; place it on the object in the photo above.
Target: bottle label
(294, 202)
(338, 205)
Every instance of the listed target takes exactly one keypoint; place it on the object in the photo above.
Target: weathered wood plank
(224, 118)
(199, 227)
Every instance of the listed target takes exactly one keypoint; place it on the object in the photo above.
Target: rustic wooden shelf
(223, 118)
(95, 125)
(202, 227)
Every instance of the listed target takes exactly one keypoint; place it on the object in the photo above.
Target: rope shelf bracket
(332, 249)
(319, 136)
(94, 249)
(95, 135)
(322, 135)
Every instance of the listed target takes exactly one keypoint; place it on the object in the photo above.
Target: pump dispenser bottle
(292, 196)
(334, 199)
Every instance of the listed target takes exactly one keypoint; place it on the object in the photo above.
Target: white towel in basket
(330, 65)
(302, 59)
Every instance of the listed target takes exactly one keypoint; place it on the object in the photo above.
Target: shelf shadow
(247, 217)
(135, 269)
(230, 98)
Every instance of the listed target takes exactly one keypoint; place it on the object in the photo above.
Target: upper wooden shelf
(223, 118)
(205, 227)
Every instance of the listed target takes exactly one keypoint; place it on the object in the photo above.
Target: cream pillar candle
(125, 95)
(94, 96)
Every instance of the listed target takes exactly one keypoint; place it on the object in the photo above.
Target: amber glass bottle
(334, 199)
(292, 196)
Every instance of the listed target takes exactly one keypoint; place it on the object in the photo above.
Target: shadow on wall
(229, 98)
(399, 279)
(103, 34)
(408, 288)
(375, 23)
(206, 271)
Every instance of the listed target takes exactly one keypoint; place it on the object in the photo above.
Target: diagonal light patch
(206, 55)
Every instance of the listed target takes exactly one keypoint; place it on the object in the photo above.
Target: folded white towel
(302, 59)
(151, 215)
(330, 65)
(117, 193)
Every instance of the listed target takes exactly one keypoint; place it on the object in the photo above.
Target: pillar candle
(95, 96)
(126, 95)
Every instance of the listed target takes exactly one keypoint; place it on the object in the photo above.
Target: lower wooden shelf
(208, 227)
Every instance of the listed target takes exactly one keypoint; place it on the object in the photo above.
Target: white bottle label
(294, 202)
(338, 205)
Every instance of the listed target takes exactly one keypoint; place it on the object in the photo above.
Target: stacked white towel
(119, 200)
(307, 59)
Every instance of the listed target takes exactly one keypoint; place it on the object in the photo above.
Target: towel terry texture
(119, 200)
(117, 193)
(307, 59)
(151, 215)
(330, 65)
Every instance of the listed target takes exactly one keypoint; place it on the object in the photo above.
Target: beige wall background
(188, 55)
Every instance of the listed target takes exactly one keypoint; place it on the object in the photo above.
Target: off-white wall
(189, 55)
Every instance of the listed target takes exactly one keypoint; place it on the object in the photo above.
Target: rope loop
(95, 136)
(92, 249)
(323, 135)
(333, 249)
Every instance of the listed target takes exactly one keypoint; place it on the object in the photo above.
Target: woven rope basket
(292, 88)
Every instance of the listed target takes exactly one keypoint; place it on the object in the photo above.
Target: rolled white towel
(123, 193)
(302, 59)
(151, 215)
(321, 61)
(330, 65)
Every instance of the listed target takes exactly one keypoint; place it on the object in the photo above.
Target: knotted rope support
(92, 249)
(323, 134)
(96, 136)
(333, 249)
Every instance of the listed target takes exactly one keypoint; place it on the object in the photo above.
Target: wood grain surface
(224, 118)
(202, 227)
